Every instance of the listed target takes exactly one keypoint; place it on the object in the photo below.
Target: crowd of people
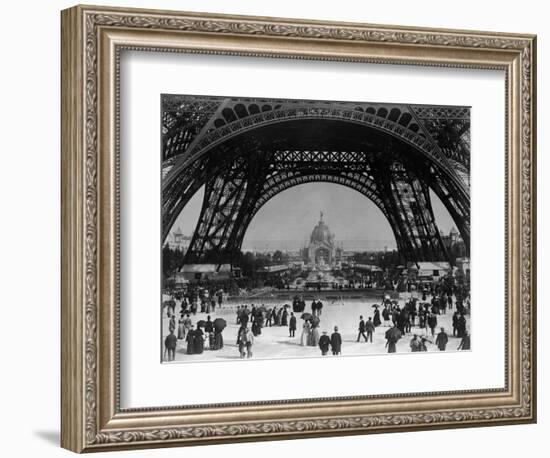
(206, 334)
(252, 319)
(415, 316)
(401, 320)
(195, 300)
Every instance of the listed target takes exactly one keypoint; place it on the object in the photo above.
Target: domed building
(322, 249)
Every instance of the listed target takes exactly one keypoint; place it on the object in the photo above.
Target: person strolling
(336, 342)
(370, 328)
(361, 329)
(442, 340)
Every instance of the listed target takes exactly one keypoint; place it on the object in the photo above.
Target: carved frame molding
(92, 38)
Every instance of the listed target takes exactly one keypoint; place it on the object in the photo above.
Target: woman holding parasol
(314, 332)
(219, 325)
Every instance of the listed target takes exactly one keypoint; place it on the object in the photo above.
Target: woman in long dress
(172, 323)
(181, 328)
(218, 340)
(198, 343)
(386, 315)
(279, 317)
(314, 336)
(256, 326)
(376, 320)
(187, 325)
(305, 333)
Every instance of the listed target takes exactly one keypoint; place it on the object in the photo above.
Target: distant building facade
(178, 241)
(322, 249)
(428, 271)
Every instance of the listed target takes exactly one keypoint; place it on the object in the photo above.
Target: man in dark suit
(170, 344)
(441, 340)
(314, 307)
(455, 323)
(361, 329)
(336, 342)
(369, 327)
(319, 307)
(292, 325)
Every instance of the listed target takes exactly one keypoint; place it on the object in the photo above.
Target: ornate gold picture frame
(92, 40)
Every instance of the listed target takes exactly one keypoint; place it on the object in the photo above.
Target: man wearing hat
(170, 344)
(336, 341)
(369, 327)
(361, 329)
(292, 325)
(441, 340)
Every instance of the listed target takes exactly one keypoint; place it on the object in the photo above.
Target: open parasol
(219, 324)
(306, 316)
(393, 334)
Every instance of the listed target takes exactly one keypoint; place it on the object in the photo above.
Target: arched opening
(186, 220)
(229, 115)
(394, 114)
(285, 221)
(380, 151)
(241, 111)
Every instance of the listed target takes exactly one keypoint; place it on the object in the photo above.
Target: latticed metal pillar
(223, 197)
(411, 215)
(245, 151)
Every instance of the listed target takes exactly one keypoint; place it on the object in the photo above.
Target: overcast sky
(286, 221)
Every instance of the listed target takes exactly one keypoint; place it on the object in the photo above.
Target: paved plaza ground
(274, 342)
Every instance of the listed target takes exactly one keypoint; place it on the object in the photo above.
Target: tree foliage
(172, 260)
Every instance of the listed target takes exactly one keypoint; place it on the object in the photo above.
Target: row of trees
(172, 260)
(388, 259)
(382, 259)
(251, 262)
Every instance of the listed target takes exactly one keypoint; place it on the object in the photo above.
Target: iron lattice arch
(246, 151)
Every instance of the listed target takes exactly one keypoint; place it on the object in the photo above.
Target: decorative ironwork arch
(426, 152)
(214, 137)
(280, 183)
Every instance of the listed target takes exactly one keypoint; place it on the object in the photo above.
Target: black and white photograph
(310, 228)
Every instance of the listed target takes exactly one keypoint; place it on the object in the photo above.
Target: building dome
(321, 233)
